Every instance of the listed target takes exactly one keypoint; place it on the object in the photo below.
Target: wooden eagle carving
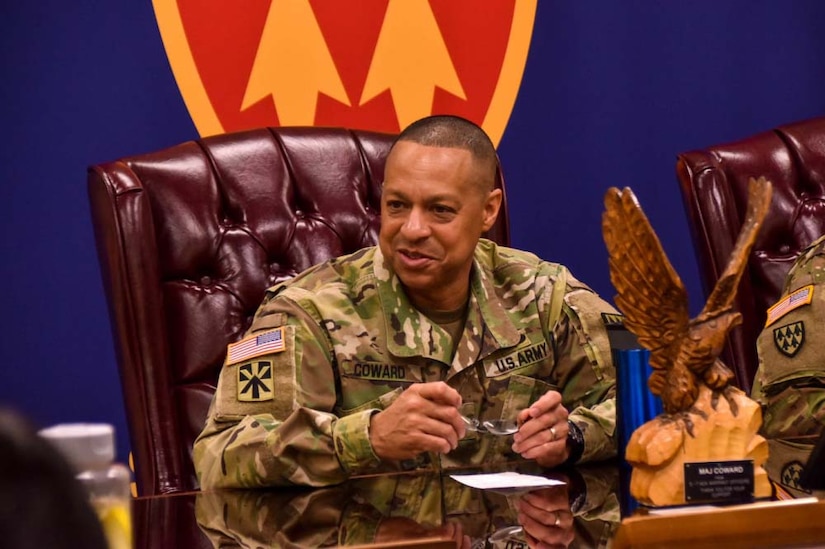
(683, 351)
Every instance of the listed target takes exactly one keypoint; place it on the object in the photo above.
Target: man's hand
(424, 418)
(542, 434)
(546, 518)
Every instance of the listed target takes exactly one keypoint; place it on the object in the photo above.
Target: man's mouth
(414, 255)
(413, 258)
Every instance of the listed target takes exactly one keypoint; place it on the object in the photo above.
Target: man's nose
(415, 226)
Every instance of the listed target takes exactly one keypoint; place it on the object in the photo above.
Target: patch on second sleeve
(789, 338)
(791, 473)
(794, 300)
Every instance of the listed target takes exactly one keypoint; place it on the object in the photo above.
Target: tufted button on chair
(714, 188)
(190, 237)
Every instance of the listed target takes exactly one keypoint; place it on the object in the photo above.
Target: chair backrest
(190, 237)
(714, 188)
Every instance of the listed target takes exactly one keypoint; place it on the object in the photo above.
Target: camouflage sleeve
(584, 365)
(790, 380)
(793, 409)
(272, 420)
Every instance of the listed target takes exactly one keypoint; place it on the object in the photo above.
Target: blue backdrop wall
(612, 91)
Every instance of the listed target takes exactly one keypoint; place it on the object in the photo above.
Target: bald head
(455, 132)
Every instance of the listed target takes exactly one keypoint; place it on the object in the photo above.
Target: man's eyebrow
(435, 198)
(442, 198)
(385, 191)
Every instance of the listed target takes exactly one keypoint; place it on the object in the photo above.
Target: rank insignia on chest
(255, 381)
(789, 338)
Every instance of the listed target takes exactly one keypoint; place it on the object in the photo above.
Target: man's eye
(394, 204)
(442, 210)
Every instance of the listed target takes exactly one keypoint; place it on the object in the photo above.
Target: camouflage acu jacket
(341, 341)
(790, 381)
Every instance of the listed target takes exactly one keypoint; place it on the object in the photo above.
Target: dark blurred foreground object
(90, 449)
(41, 503)
(714, 183)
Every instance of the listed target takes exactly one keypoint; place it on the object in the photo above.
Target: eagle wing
(759, 200)
(650, 294)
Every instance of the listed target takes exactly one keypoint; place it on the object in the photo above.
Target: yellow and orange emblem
(371, 64)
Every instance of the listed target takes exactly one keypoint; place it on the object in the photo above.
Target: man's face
(433, 210)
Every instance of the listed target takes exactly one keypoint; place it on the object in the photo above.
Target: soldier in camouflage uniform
(365, 363)
(790, 381)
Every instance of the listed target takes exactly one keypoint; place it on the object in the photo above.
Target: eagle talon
(729, 393)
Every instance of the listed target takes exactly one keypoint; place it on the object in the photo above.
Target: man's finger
(433, 427)
(545, 404)
(438, 392)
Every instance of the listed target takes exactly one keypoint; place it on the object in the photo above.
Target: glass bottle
(90, 449)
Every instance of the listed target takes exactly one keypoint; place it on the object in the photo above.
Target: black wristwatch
(575, 443)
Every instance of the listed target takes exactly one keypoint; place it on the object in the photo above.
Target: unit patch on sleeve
(256, 345)
(789, 338)
(255, 381)
(794, 300)
(790, 475)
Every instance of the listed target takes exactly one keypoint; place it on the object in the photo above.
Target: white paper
(488, 481)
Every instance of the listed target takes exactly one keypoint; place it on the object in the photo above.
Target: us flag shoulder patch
(256, 345)
(794, 300)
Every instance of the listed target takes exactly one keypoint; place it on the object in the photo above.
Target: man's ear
(491, 207)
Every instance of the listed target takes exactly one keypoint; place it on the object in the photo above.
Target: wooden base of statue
(718, 427)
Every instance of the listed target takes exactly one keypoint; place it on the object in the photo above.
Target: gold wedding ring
(553, 434)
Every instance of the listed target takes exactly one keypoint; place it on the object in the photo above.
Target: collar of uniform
(806, 269)
(413, 334)
(496, 317)
(409, 332)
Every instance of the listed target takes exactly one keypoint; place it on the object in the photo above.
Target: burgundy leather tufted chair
(190, 237)
(714, 188)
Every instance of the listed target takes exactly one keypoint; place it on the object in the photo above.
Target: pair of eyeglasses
(501, 427)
